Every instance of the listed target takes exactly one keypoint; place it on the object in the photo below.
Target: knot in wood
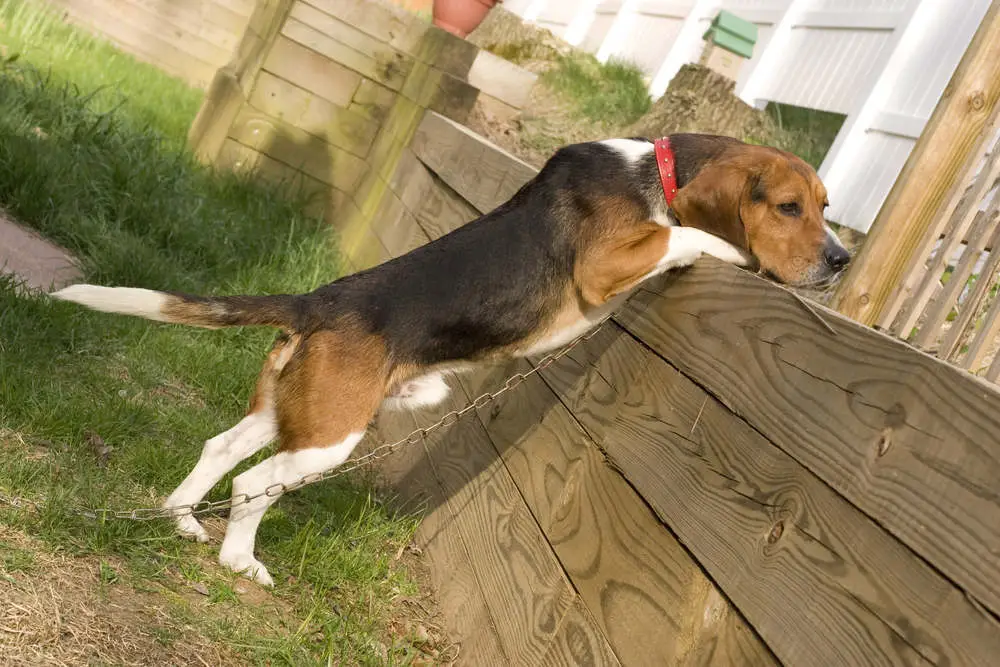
(495, 411)
(884, 441)
(776, 531)
(977, 101)
(864, 299)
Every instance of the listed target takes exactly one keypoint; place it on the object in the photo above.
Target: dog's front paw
(248, 566)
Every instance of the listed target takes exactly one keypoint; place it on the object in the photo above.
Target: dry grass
(60, 610)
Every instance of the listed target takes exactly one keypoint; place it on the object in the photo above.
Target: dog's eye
(790, 208)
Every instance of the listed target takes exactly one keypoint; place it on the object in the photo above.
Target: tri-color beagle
(532, 275)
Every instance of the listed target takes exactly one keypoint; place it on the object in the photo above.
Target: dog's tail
(282, 310)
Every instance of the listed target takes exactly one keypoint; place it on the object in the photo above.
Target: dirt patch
(697, 100)
(59, 610)
(419, 619)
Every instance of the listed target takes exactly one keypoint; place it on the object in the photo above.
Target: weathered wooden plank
(443, 211)
(411, 181)
(480, 172)
(579, 642)
(125, 16)
(237, 157)
(294, 105)
(907, 438)
(392, 25)
(396, 227)
(408, 474)
(521, 579)
(223, 100)
(143, 42)
(646, 593)
(370, 58)
(209, 21)
(372, 100)
(312, 71)
(501, 79)
(298, 149)
(821, 582)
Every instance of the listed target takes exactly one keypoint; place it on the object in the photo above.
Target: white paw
(248, 566)
(189, 527)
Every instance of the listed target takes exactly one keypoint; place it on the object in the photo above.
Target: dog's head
(770, 203)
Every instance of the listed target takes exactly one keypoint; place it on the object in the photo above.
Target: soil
(697, 100)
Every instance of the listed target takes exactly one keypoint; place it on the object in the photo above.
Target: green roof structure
(730, 32)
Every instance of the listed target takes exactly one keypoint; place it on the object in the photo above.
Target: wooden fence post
(928, 180)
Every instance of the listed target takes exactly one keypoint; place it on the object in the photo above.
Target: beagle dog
(537, 272)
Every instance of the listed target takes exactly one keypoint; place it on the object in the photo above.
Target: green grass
(104, 174)
(808, 133)
(613, 92)
(74, 57)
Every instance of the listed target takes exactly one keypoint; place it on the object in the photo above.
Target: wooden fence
(929, 271)
(327, 95)
(716, 478)
(190, 39)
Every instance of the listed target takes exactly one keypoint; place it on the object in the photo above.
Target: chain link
(378, 453)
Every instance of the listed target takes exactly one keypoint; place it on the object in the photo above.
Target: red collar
(668, 167)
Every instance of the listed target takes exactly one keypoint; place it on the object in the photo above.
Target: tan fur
(191, 313)
(330, 388)
(617, 263)
(718, 200)
(267, 380)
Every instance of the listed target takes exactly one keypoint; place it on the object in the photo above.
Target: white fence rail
(882, 63)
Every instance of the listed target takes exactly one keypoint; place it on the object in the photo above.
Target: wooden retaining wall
(717, 478)
(721, 476)
(190, 39)
(327, 94)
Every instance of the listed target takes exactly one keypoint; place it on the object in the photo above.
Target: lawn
(99, 410)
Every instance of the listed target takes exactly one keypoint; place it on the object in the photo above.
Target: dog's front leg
(687, 244)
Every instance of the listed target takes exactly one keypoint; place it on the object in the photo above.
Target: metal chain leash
(276, 490)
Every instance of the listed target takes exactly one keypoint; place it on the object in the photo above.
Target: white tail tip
(124, 300)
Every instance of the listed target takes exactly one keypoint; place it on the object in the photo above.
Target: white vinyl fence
(882, 63)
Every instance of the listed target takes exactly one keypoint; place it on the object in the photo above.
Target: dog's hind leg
(267, 478)
(325, 397)
(225, 451)
(220, 455)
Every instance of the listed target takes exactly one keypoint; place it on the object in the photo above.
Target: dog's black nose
(836, 256)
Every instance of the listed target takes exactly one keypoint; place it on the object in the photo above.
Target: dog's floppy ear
(715, 200)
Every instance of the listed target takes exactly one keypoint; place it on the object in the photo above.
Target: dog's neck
(691, 153)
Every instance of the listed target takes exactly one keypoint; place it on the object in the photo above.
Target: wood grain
(645, 592)
(821, 582)
(312, 71)
(579, 642)
(138, 37)
(481, 173)
(908, 439)
(523, 585)
(298, 149)
(336, 125)
(928, 180)
(450, 565)
(340, 42)
(443, 210)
